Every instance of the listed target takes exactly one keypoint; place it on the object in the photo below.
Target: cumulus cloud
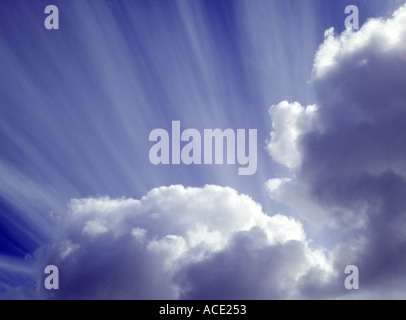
(290, 121)
(351, 167)
(178, 242)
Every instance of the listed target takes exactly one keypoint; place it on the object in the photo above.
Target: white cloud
(354, 127)
(94, 228)
(147, 248)
(289, 122)
(379, 35)
(347, 158)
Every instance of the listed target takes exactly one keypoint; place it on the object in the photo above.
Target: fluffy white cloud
(356, 125)
(349, 166)
(164, 244)
(378, 36)
(289, 121)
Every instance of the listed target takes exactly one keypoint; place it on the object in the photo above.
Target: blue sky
(78, 103)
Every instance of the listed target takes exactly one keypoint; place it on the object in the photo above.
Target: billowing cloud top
(347, 152)
(178, 242)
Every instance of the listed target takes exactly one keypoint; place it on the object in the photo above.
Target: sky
(78, 189)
